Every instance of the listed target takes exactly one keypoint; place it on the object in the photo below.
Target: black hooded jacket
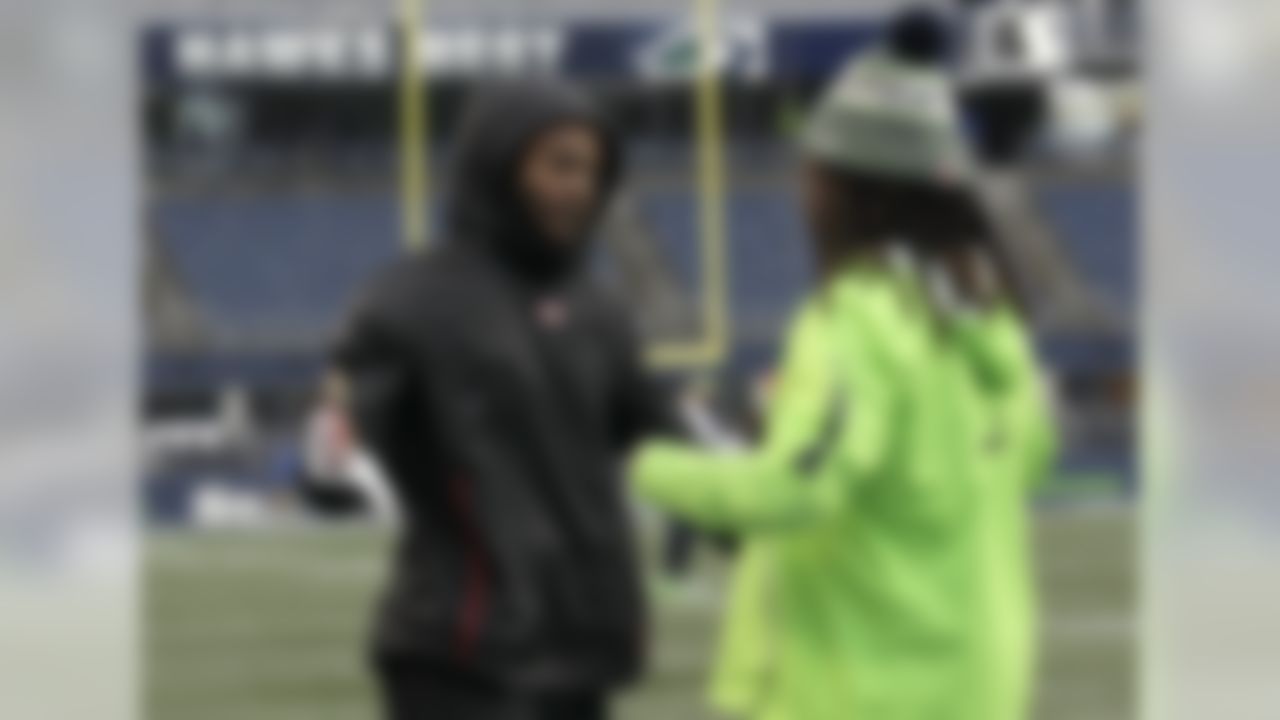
(500, 389)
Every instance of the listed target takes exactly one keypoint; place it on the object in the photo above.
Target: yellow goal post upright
(703, 352)
(709, 350)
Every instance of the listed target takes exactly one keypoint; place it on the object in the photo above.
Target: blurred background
(280, 144)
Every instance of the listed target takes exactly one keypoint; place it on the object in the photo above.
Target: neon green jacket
(863, 587)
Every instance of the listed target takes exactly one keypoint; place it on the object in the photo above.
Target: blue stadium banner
(746, 47)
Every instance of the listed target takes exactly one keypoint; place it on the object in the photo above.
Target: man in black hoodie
(500, 389)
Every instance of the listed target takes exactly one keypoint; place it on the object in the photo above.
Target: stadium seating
(769, 262)
(1097, 224)
(281, 267)
(273, 270)
(276, 266)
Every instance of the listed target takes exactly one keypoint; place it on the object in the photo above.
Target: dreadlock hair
(873, 210)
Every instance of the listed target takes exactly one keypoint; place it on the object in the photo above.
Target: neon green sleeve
(798, 476)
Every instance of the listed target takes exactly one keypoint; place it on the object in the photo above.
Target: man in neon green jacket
(875, 566)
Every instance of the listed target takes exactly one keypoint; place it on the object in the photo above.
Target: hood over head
(484, 205)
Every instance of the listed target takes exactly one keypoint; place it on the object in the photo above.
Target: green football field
(269, 625)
